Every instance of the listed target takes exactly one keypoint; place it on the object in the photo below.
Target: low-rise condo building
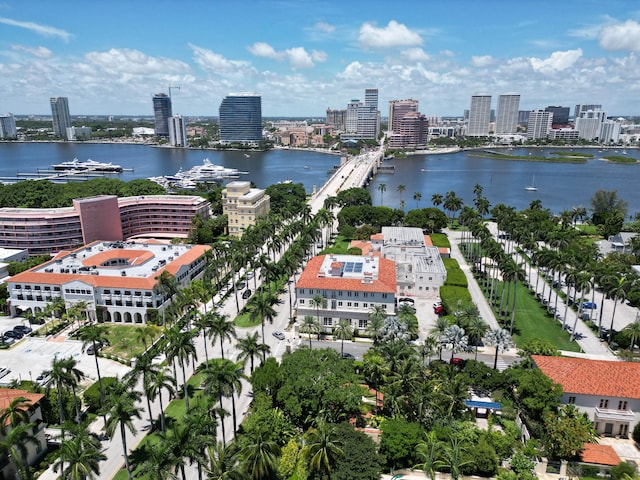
(608, 391)
(243, 205)
(349, 286)
(49, 230)
(118, 281)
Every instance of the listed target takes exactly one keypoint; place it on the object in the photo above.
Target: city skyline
(304, 57)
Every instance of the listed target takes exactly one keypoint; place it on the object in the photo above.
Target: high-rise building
(411, 131)
(8, 126)
(78, 133)
(177, 131)
(60, 116)
(161, 114)
(609, 131)
(583, 107)
(241, 118)
(351, 117)
(336, 119)
(560, 114)
(539, 124)
(507, 117)
(479, 116)
(589, 122)
(398, 109)
(523, 117)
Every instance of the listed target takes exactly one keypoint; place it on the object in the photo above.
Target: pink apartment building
(105, 217)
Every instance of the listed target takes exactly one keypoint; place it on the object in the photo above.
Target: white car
(278, 334)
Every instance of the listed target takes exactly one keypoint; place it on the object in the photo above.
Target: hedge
(455, 276)
(450, 294)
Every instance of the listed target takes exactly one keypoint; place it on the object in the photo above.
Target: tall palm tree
(322, 449)
(436, 199)
(318, 302)
(158, 462)
(223, 329)
(82, 453)
(430, 452)
(96, 336)
(202, 323)
(180, 347)
(250, 348)
(224, 380)
(382, 188)
(161, 380)
(263, 309)
(456, 337)
(632, 330)
(122, 412)
(223, 462)
(15, 446)
(437, 332)
(61, 379)
(343, 331)
(417, 196)
(476, 329)
(401, 188)
(259, 456)
(147, 370)
(375, 371)
(499, 338)
(310, 326)
(618, 291)
(167, 287)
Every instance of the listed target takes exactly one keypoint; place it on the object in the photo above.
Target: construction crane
(170, 87)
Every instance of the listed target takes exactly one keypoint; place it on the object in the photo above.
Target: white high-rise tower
(479, 116)
(507, 115)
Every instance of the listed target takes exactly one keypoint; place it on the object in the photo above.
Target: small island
(620, 159)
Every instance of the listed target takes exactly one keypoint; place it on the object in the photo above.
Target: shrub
(636, 433)
(91, 395)
(623, 470)
(450, 294)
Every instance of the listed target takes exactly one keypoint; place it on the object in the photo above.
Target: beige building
(242, 205)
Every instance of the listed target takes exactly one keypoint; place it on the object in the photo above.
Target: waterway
(560, 185)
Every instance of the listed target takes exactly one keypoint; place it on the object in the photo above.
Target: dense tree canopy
(360, 459)
(286, 197)
(353, 197)
(430, 219)
(377, 217)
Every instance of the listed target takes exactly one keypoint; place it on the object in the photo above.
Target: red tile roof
(9, 394)
(606, 378)
(427, 241)
(385, 283)
(365, 247)
(377, 236)
(599, 454)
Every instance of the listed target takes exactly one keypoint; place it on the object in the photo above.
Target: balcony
(611, 415)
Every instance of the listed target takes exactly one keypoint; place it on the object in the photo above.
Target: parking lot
(31, 356)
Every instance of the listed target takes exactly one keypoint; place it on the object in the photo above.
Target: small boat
(77, 165)
(307, 166)
(424, 170)
(532, 187)
(246, 155)
(624, 152)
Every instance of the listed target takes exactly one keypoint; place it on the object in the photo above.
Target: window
(572, 400)
(356, 304)
(365, 305)
(604, 403)
(301, 301)
(302, 291)
(348, 304)
(384, 295)
(362, 323)
(349, 294)
(622, 405)
(339, 304)
(327, 321)
(356, 294)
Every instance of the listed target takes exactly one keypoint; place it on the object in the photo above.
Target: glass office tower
(241, 118)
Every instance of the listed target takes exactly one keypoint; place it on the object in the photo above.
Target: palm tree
(375, 370)
(83, 454)
(161, 380)
(122, 412)
(455, 336)
(417, 196)
(322, 449)
(180, 346)
(263, 309)
(436, 199)
(476, 329)
(377, 316)
(167, 287)
(259, 456)
(310, 326)
(158, 462)
(430, 452)
(223, 462)
(250, 348)
(96, 336)
(618, 291)
(343, 331)
(499, 338)
(437, 332)
(382, 188)
(632, 330)
(16, 413)
(318, 302)
(224, 380)
(221, 328)
(15, 446)
(455, 457)
(146, 369)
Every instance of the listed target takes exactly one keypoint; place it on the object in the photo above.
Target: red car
(456, 361)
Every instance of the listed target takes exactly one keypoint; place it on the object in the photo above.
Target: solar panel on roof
(348, 267)
(357, 268)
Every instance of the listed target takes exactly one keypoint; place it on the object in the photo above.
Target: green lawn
(340, 246)
(440, 240)
(532, 322)
(123, 342)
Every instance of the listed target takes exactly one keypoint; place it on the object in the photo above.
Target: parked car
(589, 306)
(438, 308)
(457, 361)
(410, 301)
(8, 340)
(22, 329)
(348, 356)
(246, 294)
(91, 350)
(241, 285)
(13, 334)
(278, 334)
(250, 275)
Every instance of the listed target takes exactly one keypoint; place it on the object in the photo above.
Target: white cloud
(324, 27)
(415, 55)
(134, 62)
(297, 57)
(393, 35)
(623, 36)
(217, 63)
(262, 49)
(447, 53)
(482, 61)
(557, 61)
(44, 30)
(40, 52)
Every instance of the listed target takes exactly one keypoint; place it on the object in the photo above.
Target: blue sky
(303, 56)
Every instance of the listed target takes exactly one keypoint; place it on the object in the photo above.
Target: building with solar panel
(350, 286)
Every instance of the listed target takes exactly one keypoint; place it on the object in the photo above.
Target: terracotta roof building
(35, 449)
(351, 286)
(608, 391)
(597, 454)
(117, 279)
